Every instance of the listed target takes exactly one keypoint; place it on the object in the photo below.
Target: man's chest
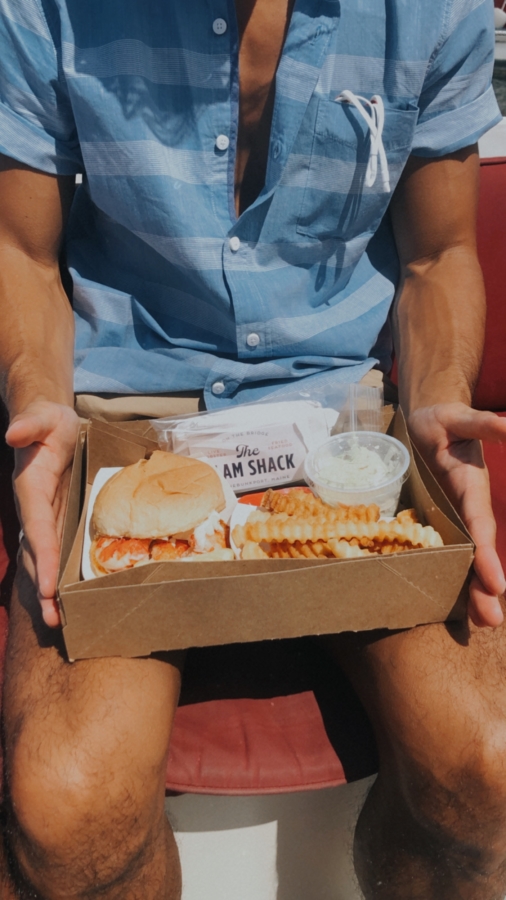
(175, 109)
(262, 28)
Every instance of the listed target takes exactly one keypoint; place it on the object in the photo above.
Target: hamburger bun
(163, 496)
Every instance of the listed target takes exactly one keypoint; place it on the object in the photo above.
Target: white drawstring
(374, 116)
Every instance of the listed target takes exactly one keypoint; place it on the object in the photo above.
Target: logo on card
(273, 455)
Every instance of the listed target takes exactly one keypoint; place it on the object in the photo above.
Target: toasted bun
(162, 496)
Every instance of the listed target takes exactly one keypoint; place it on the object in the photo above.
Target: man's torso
(182, 119)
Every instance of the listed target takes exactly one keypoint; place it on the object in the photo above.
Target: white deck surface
(282, 847)
(493, 143)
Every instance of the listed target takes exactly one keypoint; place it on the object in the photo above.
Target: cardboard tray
(171, 605)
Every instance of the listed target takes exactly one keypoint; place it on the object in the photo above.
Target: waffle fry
(328, 517)
(253, 551)
(295, 524)
(280, 528)
(298, 550)
(407, 515)
(333, 549)
(316, 550)
(261, 515)
(293, 502)
(394, 547)
(346, 550)
(303, 504)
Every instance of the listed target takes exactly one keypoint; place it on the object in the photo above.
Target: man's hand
(44, 437)
(449, 435)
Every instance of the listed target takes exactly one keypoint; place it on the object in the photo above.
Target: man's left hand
(449, 436)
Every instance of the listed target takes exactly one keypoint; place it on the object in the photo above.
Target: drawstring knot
(373, 113)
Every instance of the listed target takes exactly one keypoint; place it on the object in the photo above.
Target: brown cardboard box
(174, 605)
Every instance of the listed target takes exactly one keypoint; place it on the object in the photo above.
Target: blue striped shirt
(172, 291)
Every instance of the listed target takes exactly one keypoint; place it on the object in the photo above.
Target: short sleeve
(457, 103)
(37, 125)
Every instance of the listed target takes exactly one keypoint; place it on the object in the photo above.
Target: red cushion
(490, 391)
(267, 717)
(4, 559)
(250, 746)
(4, 627)
(9, 527)
(495, 457)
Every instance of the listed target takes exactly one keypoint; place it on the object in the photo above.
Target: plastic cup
(374, 468)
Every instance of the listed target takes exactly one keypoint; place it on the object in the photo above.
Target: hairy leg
(434, 824)
(85, 749)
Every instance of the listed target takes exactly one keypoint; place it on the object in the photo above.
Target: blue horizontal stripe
(131, 159)
(161, 65)
(463, 125)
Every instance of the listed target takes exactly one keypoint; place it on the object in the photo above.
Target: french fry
(251, 550)
(295, 524)
(280, 528)
(302, 503)
(345, 550)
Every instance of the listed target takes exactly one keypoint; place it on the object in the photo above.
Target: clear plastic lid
(359, 467)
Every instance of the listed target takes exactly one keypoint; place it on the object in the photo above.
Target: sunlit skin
(439, 327)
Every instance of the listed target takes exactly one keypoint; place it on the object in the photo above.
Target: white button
(222, 142)
(253, 339)
(218, 387)
(234, 244)
(219, 26)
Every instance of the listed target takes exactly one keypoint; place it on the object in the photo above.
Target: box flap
(112, 446)
(319, 598)
(74, 500)
(431, 502)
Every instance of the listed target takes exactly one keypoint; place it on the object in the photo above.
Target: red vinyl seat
(280, 716)
(490, 391)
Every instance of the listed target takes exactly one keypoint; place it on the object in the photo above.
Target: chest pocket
(336, 201)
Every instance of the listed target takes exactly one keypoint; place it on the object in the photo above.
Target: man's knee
(82, 822)
(86, 799)
(456, 797)
(85, 758)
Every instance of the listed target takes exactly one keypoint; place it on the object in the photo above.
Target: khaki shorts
(125, 407)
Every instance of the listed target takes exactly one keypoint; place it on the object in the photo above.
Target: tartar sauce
(358, 467)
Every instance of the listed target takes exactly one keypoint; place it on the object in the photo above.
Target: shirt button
(219, 26)
(276, 149)
(222, 142)
(218, 387)
(253, 339)
(234, 244)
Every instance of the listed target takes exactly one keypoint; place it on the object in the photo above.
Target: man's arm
(36, 359)
(36, 340)
(439, 320)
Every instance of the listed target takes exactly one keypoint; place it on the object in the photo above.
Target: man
(229, 238)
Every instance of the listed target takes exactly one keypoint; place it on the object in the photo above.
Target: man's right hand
(44, 437)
